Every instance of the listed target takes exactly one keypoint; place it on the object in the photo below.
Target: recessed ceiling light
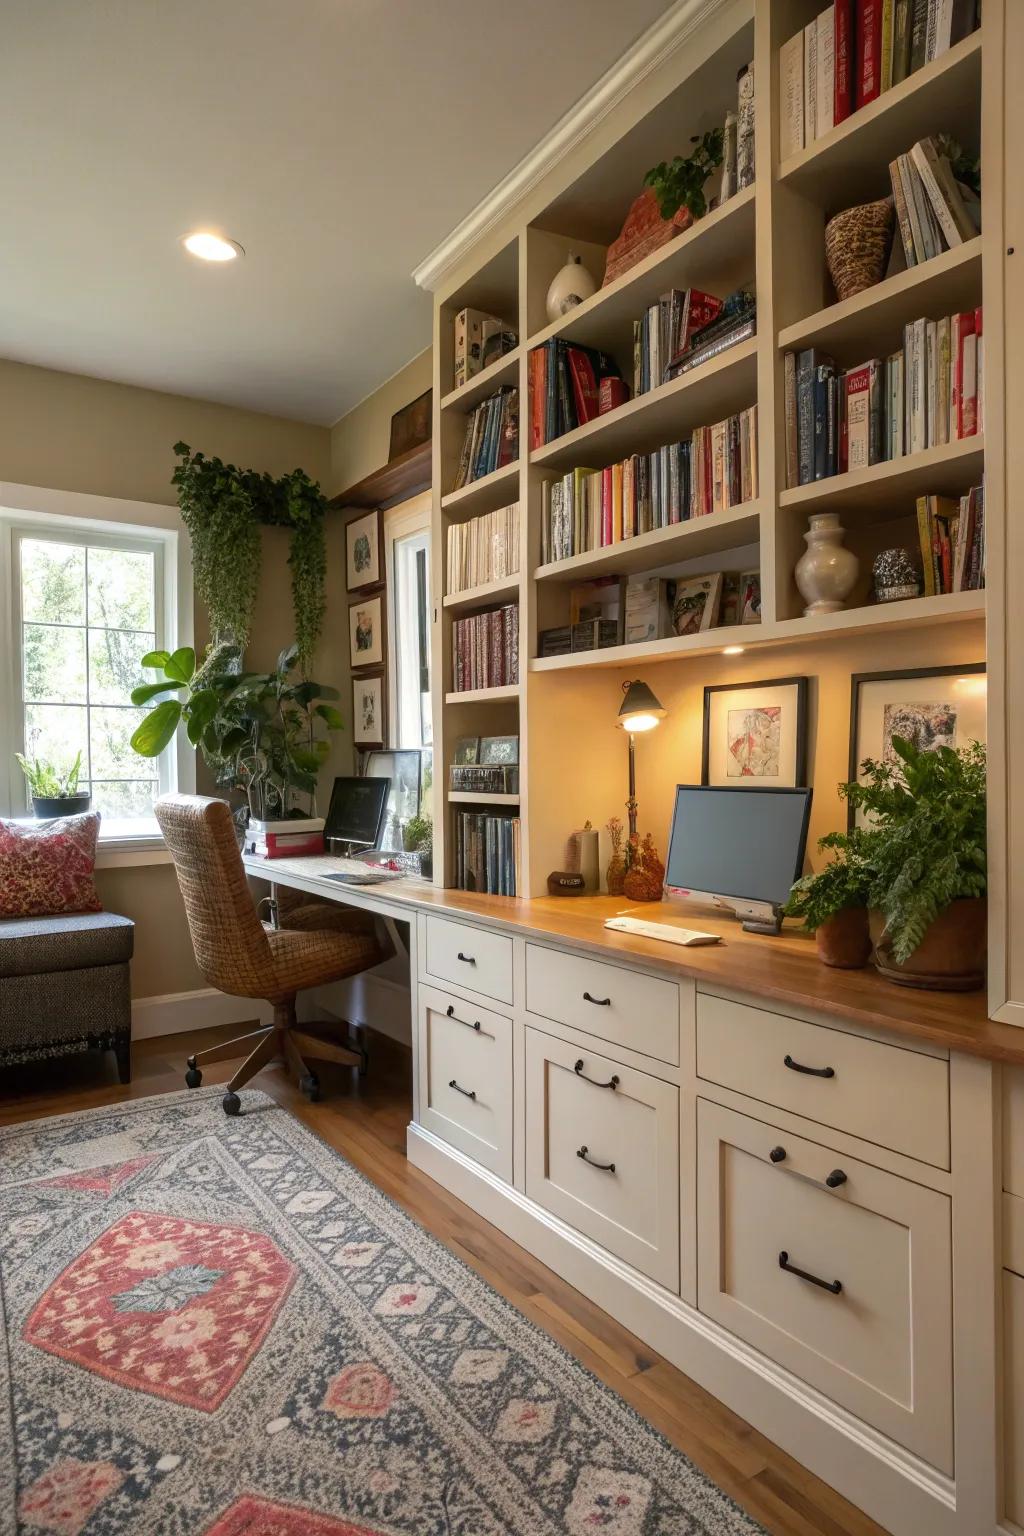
(733, 650)
(210, 247)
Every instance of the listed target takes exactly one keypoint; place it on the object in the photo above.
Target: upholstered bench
(64, 987)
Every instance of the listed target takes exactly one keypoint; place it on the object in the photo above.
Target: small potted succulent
(833, 903)
(418, 837)
(54, 791)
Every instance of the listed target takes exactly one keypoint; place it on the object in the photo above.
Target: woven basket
(857, 245)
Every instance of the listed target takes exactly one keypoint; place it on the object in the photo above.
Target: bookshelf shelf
(870, 323)
(853, 159)
(725, 384)
(504, 370)
(672, 648)
(913, 611)
(487, 592)
(483, 695)
(950, 468)
(466, 797)
(719, 531)
(719, 244)
(494, 490)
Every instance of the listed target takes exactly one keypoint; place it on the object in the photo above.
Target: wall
(360, 440)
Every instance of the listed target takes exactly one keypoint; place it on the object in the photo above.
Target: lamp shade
(640, 710)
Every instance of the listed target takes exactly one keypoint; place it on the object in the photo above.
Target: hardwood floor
(365, 1121)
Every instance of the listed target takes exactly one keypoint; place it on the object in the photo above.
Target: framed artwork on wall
(930, 706)
(366, 632)
(755, 734)
(363, 565)
(368, 729)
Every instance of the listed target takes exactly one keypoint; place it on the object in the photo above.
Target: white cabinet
(475, 958)
(465, 1065)
(619, 1005)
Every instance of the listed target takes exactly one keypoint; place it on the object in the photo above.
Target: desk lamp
(639, 711)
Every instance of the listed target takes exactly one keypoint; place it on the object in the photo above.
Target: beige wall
(360, 440)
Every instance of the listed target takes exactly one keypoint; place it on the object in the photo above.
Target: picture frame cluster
(367, 626)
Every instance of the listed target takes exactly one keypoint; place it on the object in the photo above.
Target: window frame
(403, 521)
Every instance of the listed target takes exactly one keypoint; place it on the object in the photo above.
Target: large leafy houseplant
(260, 732)
(833, 902)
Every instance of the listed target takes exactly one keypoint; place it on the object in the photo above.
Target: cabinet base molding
(895, 1488)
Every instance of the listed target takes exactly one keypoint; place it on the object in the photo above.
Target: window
(407, 544)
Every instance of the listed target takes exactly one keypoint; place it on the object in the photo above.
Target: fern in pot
(833, 903)
(54, 790)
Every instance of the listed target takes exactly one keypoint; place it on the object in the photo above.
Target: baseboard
(174, 1013)
(897, 1489)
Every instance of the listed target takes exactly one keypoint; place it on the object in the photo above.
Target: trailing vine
(223, 507)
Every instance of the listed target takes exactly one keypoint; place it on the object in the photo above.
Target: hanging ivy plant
(223, 507)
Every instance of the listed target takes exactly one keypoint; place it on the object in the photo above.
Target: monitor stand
(346, 849)
(758, 916)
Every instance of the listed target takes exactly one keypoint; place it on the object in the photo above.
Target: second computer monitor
(357, 810)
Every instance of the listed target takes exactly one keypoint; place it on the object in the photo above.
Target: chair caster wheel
(310, 1086)
(193, 1077)
(232, 1103)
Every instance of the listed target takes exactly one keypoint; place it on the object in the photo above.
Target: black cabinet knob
(777, 1154)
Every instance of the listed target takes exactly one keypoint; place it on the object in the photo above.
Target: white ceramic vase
(570, 285)
(826, 571)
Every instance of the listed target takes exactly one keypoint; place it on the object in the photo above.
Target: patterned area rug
(217, 1327)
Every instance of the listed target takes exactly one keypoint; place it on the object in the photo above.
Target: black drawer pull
(450, 1010)
(600, 1002)
(777, 1154)
(465, 1091)
(613, 1082)
(835, 1178)
(604, 1167)
(834, 1286)
(466, 959)
(796, 1066)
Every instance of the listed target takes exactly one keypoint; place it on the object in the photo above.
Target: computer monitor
(356, 813)
(741, 847)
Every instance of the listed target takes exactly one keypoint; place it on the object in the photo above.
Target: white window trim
(24, 509)
(412, 516)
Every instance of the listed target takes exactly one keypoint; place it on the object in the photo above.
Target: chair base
(279, 1042)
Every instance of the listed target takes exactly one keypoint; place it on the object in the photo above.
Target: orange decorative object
(643, 232)
(616, 874)
(645, 879)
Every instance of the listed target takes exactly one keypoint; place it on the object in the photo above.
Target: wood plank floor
(365, 1121)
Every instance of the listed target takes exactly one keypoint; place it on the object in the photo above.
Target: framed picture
(366, 632)
(405, 770)
(368, 711)
(499, 749)
(755, 734)
(930, 706)
(750, 597)
(696, 603)
(363, 565)
(411, 425)
(467, 750)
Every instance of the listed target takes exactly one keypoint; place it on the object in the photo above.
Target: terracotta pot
(950, 957)
(843, 940)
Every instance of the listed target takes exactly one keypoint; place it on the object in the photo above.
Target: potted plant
(680, 183)
(833, 903)
(418, 837)
(925, 846)
(54, 793)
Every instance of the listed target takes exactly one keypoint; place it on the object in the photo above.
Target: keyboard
(666, 931)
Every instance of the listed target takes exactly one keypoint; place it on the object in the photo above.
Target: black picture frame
(899, 674)
(800, 746)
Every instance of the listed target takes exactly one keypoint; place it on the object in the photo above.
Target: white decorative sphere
(570, 285)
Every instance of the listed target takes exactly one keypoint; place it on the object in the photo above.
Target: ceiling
(338, 140)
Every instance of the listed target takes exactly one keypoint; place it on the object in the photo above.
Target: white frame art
(365, 609)
(787, 746)
(368, 732)
(359, 530)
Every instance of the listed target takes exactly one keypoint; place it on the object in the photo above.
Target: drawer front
(1013, 1395)
(470, 957)
(881, 1093)
(605, 1158)
(1013, 1130)
(880, 1345)
(621, 1006)
(466, 1078)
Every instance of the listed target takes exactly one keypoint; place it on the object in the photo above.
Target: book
(943, 194)
(858, 417)
(901, 28)
(902, 207)
(648, 609)
(792, 445)
(868, 33)
(791, 96)
(824, 89)
(807, 365)
(915, 387)
(885, 65)
(811, 81)
(745, 127)
(472, 330)
(918, 34)
(485, 649)
(843, 91)
(482, 549)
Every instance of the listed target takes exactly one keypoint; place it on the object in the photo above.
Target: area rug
(217, 1327)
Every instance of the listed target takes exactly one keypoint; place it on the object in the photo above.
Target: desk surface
(785, 968)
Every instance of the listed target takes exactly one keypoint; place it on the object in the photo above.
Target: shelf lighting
(207, 246)
(733, 650)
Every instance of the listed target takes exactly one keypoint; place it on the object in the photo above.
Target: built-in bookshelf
(768, 238)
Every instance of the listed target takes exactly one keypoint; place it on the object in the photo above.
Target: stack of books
(479, 340)
(483, 549)
(855, 50)
(485, 649)
(736, 322)
(492, 436)
(566, 383)
(284, 839)
(927, 394)
(667, 329)
(930, 208)
(591, 509)
(487, 853)
(952, 535)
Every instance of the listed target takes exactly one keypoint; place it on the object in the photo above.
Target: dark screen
(747, 843)
(357, 806)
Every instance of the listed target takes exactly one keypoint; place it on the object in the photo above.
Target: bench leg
(123, 1053)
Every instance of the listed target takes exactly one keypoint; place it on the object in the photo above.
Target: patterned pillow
(46, 867)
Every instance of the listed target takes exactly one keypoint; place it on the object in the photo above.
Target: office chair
(239, 954)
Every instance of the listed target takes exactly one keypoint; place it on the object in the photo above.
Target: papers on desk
(364, 876)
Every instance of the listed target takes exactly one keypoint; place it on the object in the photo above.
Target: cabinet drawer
(466, 1078)
(1013, 1395)
(881, 1344)
(605, 1158)
(621, 1006)
(470, 957)
(1013, 1129)
(881, 1093)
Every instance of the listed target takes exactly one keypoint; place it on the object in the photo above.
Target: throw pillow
(46, 867)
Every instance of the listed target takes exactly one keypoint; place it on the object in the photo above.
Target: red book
(584, 384)
(611, 394)
(538, 395)
(869, 50)
(962, 329)
(606, 505)
(843, 96)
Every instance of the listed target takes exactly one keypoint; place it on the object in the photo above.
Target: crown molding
(647, 53)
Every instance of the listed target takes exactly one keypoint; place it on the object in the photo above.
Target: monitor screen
(357, 810)
(743, 843)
